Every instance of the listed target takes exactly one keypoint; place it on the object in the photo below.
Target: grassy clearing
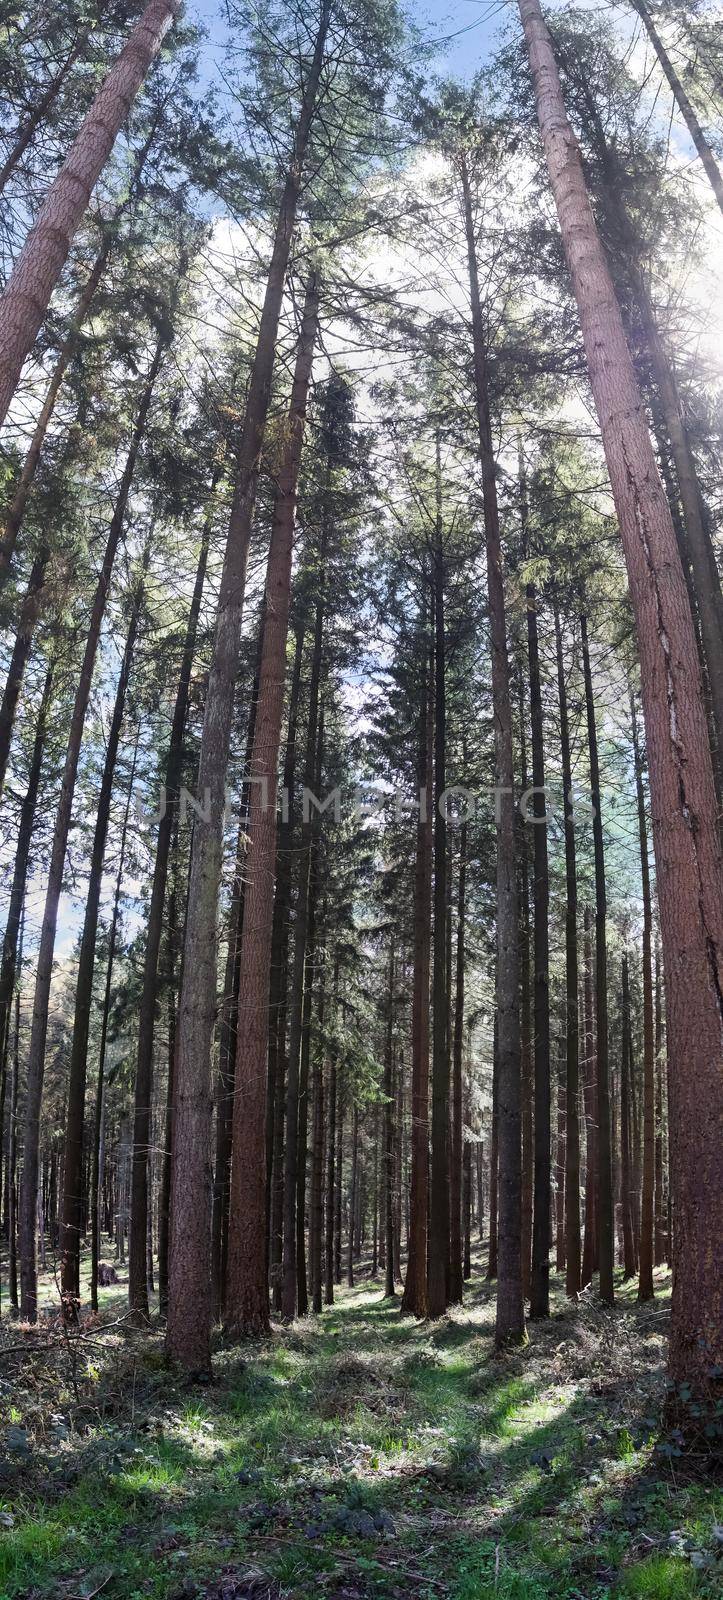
(356, 1456)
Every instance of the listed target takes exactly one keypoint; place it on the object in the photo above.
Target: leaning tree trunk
(77, 1072)
(572, 1040)
(712, 170)
(40, 110)
(414, 1298)
(36, 1051)
(647, 1220)
(189, 1330)
(246, 1305)
(170, 794)
(22, 861)
(29, 613)
(510, 1323)
(16, 512)
(27, 293)
(686, 837)
(604, 1195)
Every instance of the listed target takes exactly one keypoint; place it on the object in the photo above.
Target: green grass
(519, 1478)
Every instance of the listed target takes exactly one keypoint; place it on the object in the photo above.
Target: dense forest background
(361, 381)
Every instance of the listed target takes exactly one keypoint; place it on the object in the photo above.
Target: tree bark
(39, 111)
(22, 861)
(647, 1219)
(352, 1198)
(526, 1074)
(27, 293)
(439, 1215)
(685, 826)
(573, 1282)
(246, 1309)
(388, 1166)
(77, 1072)
(712, 170)
(510, 1321)
(29, 613)
(36, 1051)
(540, 1277)
(96, 1151)
(414, 1298)
(589, 1258)
(603, 1162)
(626, 1206)
(456, 1262)
(494, 1162)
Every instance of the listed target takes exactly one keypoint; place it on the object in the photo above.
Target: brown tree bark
(439, 1209)
(388, 1156)
(77, 1071)
(29, 613)
(188, 1334)
(36, 1050)
(494, 1162)
(414, 1298)
(246, 1306)
(331, 1174)
(572, 1042)
(526, 1074)
(686, 837)
(540, 1277)
(352, 1198)
(660, 1199)
(456, 1263)
(626, 1199)
(316, 1192)
(647, 1220)
(27, 293)
(712, 170)
(603, 1154)
(589, 1255)
(94, 1200)
(510, 1322)
(22, 861)
(39, 111)
(279, 981)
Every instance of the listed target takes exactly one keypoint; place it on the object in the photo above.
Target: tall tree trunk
(36, 1051)
(526, 1075)
(170, 793)
(694, 540)
(456, 1264)
(589, 1255)
(712, 170)
(29, 613)
(96, 1149)
(316, 1192)
(16, 512)
(246, 1306)
(647, 1221)
(352, 1197)
(27, 293)
(39, 111)
(603, 1164)
(686, 837)
(414, 1298)
(331, 1174)
(340, 1178)
(660, 1202)
(439, 1215)
(510, 1323)
(13, 1143)
(21, 864)
(77, 1072)
(301, 930)
(560, 1164)
(388, 1168)
(188, 1336)
(279, 981)
(572, 1040)
(540, 1279)
(626, 1204)
(494, 1162)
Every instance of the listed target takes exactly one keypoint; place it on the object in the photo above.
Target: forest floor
(355, 1455)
